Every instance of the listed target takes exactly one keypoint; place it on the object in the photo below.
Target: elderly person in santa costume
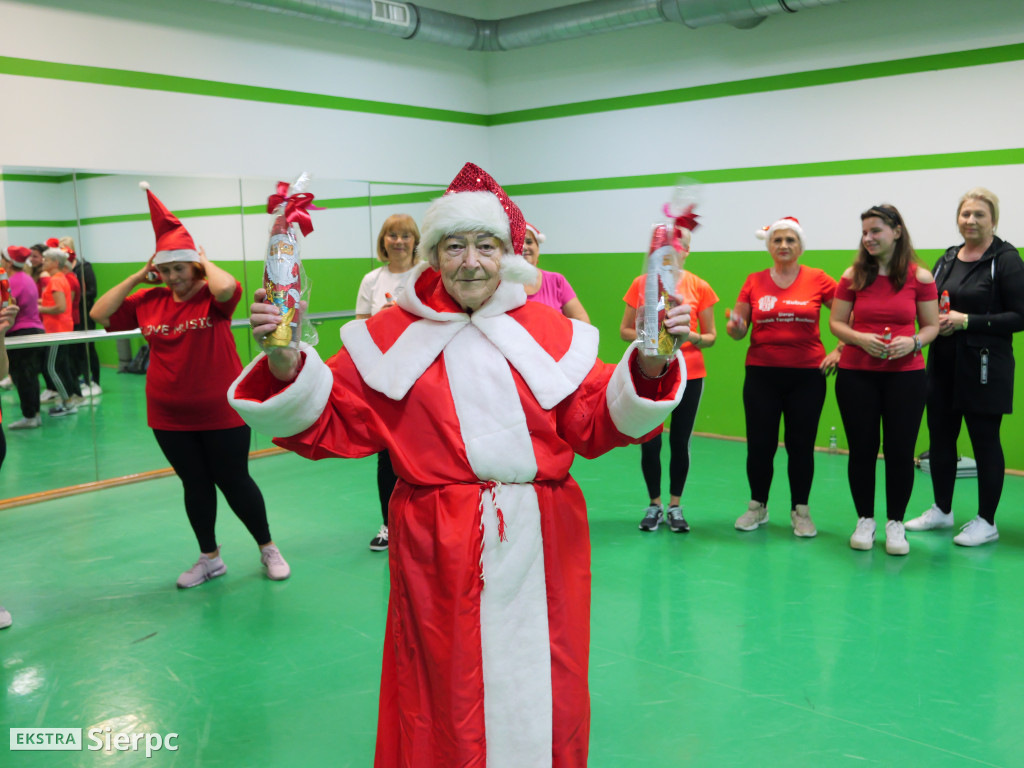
(482, 400)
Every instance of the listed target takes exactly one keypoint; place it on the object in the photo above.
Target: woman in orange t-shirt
(55, 303)
(699, 295)
(785, 371)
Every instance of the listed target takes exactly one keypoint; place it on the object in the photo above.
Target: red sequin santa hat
(475, 202)
(787, 222)
(173, 242)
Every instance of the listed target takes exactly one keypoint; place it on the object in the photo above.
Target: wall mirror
(108, 217)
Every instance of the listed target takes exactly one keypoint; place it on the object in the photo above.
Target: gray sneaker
(274, 565)
(755, 516)
(676, 521)
(62, 410)
(652, 518)
(206, 568)
(803, 526)
(5, 618)
(33, 422)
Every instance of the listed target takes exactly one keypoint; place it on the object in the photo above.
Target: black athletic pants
(894, 401)
(794, 397)
(206, 460)
(683, 418)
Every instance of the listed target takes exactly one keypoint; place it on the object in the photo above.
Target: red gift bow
(686, 220)
(296, 207)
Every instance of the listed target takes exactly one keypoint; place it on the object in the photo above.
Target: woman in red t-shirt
(701, 297)
(192, 361)
(886, 309)
(785, 371)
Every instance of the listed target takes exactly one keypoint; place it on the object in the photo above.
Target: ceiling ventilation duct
(411, 21)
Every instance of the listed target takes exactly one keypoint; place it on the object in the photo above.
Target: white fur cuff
(632, 414)
(291, 410)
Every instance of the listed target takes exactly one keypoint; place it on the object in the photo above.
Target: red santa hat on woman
(18, 255)
(537, 234)
(173, 242)
(475, 202)
(787, 222)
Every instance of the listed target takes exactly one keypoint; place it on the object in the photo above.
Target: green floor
(711, 649)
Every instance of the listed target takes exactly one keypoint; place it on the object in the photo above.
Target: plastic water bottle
(833, 442)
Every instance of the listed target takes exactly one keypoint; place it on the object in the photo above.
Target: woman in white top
(396, 247)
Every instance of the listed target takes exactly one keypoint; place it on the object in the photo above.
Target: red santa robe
(487, 640)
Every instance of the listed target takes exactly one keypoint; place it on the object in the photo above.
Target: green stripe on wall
(767, 172)
(933, 63)
(40, 223)
(125, 78)
(155, 82)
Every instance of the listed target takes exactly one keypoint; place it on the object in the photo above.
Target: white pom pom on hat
(786, 222)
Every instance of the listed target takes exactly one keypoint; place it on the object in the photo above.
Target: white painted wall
(132, 130)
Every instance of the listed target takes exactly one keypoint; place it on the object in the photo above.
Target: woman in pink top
(550, 288)
(885, 311)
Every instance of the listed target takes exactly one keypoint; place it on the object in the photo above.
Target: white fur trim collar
(393, 373)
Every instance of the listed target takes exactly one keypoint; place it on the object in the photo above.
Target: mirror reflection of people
(786, 365)
(970, 365)
(84, 356)
(8, 315)
(187, 324)
(26, 363)
(483, 399)
(701, 297)
(881, 382)
(56, 303)
(396, 248)
(550, 288)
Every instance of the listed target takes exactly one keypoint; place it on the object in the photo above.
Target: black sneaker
(379, 543)
(652, 518)
(676, 521)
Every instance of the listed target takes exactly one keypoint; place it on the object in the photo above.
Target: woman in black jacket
(970, 367)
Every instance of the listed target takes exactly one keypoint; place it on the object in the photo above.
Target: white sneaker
(975, 532)
(864, 536)
(5, 618)
(48, 395)
(895, 538)
(95, 389)
(755, 516)
(933, 519)
(275, 566)
(206, 568)
(34, 423)
(6, 383)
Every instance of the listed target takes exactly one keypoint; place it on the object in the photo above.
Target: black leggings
(386, 479)
(893, 400)
(683, 418)
(26, 365)
(206, 460)
(795, 397)
(944, 423)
